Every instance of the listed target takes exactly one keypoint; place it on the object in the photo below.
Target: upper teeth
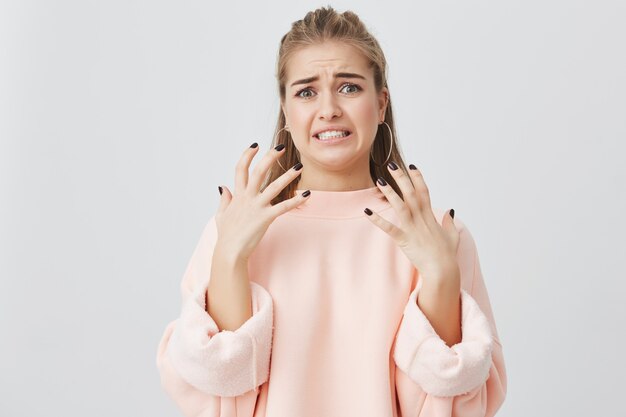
(332, 134)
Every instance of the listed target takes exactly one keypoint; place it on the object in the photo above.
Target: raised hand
(430, 247)
(243, 218)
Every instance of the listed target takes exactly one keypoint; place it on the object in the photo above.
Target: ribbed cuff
(226, 363)
(439, 369)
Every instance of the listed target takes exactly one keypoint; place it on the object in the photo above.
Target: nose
(329, 107)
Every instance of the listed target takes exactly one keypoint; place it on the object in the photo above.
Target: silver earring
(390, 147)
(287, 129)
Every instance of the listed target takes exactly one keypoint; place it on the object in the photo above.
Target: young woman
(326, 285)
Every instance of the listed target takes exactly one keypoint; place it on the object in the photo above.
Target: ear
(383, 100)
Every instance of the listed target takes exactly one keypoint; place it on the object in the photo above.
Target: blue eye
(352, 85)
(301, 91)
(357, 89)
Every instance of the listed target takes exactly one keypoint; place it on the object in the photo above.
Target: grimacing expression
(332, 85)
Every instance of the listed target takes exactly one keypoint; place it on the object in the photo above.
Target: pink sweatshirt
(336, 330)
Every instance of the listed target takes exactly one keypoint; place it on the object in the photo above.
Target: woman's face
(316, 100)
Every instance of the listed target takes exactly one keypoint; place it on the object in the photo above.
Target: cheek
(365, 111)
(299, 123)
(365, 116)
(299, 116)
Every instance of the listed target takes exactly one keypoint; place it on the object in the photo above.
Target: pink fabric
(336, 330)
(223, 363)
(439, 369)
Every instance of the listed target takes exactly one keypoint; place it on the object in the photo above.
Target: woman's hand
(430, 247)
(243, 218)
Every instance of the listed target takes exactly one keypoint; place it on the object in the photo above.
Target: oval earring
(390, 147)
(275, 136)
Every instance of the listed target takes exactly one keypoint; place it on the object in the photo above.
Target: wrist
(228, 257)
(447, 279)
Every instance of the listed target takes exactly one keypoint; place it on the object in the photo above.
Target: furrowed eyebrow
(336, 75)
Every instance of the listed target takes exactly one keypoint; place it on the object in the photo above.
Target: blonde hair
(318, 26)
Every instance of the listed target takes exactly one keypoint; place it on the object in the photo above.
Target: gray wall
(118, 120)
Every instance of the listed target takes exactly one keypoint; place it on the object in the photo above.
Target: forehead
(324, 59)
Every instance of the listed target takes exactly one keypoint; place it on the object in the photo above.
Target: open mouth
(332, 135)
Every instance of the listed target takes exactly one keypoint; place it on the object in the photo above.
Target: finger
(423, 195)
(386, 226)
(241, 170)
(225, 199)
(450, 228)
(290, 203)
(260, 170)
(404, 213)
(409, 194)
(279, 184)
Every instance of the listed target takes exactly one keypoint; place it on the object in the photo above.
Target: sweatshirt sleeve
(205, 371)
(466, 379)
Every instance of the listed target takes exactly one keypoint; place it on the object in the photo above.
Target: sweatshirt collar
(341, 204)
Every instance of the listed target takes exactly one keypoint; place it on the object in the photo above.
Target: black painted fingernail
(306, 193)
(254, 145)
(412, 166)
(393, 165)
(297, 166)
(279, 147)
(382, 181)
(368, 211)
(220, 189)
(452, 213)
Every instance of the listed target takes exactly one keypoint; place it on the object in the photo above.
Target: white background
(119, 119)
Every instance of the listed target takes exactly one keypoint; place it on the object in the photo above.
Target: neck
(349, 178)
(341, 204)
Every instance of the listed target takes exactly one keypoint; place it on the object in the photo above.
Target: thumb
(449, 227)
(225, 198)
